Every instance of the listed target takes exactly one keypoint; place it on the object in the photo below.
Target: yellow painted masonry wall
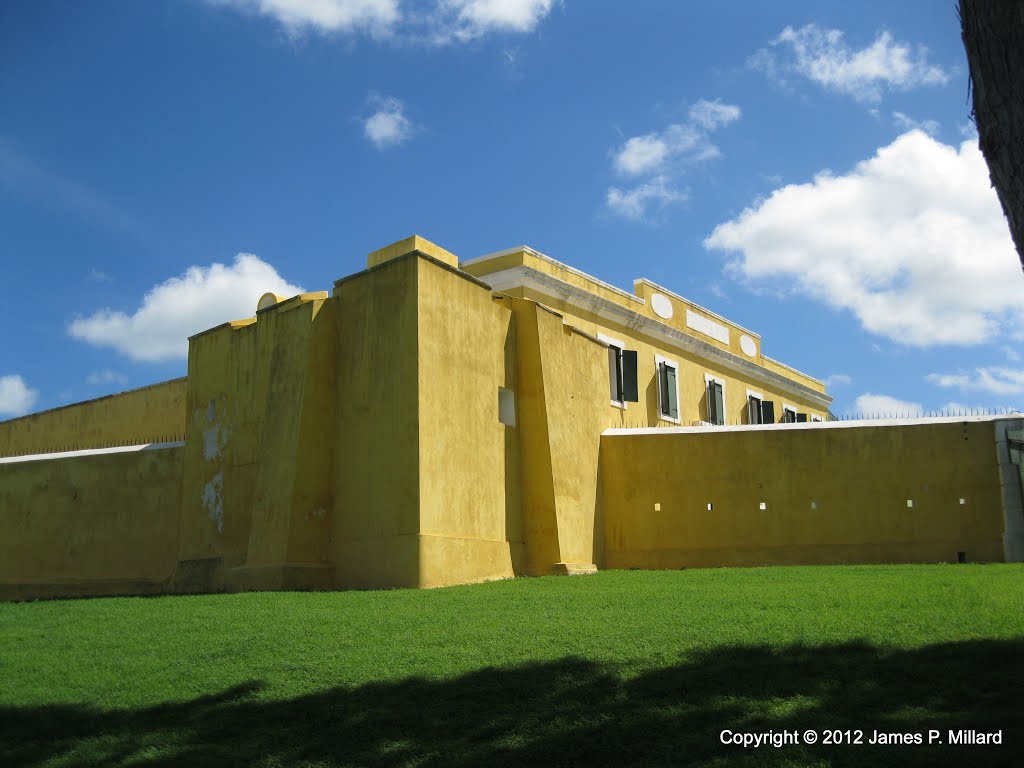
(374, 527)
(90, 525)
(658, 488)
(259, 448)
(149, 414)
(561, 393)
(468, 510)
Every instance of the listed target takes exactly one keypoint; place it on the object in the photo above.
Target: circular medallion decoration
(661, 305)
(748, 346)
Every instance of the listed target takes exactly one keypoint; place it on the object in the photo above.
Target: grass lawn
(621, 668)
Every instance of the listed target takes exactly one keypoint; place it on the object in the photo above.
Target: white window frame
(679, 406)
(708, 378)
(621, 346)
(791, 409)
(816, 418)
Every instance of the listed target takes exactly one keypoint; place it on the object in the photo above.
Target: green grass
(621, 668)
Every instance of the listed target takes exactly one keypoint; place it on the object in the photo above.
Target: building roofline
(550, 285)
(705, 310)
(544, 257)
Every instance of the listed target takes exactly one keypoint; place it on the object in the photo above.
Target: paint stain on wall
(213, 501)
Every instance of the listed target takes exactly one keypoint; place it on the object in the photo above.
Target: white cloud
(884, 405)
(995, 380)
(837, 379)
(468, 19)
(823, 56)
(106, 377)
(709, 115)
(907, 123)
(387, 126)
(324, 16)
(662, 155)
(912, 241)
(16, 398)
(641, 154)
(201, 298)
(633, 203)
(439, 22)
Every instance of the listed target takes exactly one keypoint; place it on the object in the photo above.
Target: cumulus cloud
(661, 156)
(995, 380)
(324, 16)
(884, 405)
(821, 55)
(634, 203)
(16, 398)
(201, 298)
(438, 22)
(912, 241)
(387, 126)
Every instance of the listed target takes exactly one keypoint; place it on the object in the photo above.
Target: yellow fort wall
(374, 528)
(91, 524)
(468, 508)
(832, 493)
(430, 424)
(155, 413)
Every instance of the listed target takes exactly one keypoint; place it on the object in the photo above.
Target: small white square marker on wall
(910, 503)
(657, 507)
(814, 505)
(962, 501)
(762, 505)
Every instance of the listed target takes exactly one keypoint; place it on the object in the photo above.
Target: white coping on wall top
(89, 452)
(852, 424)
(557, 263)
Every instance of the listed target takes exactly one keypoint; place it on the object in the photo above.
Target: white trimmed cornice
(549, 285)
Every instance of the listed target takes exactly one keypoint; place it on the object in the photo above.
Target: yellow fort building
(433, 422)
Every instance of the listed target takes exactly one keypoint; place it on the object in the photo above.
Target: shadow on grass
(570, 712)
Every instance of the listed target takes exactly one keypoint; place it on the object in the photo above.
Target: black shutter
(753, 410)
(630, 387)
(767, 412)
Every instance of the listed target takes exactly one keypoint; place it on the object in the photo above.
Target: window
(801, 418)
(668, 388)
(715, 399)
(506, 407)
(759, 410)
(815, 418)
(622, 378)
(788, 414)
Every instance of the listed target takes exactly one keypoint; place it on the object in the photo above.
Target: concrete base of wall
(279, 576)
(574, 569)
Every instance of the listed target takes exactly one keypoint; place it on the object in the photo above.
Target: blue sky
(806, 169)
